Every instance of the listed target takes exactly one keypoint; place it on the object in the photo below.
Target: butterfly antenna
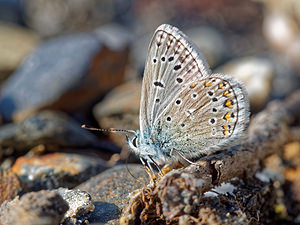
(113, 130)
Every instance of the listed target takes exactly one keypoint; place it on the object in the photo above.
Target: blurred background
(83, 60)
(72, 62)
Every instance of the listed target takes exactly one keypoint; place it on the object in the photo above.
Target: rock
(292, 53)
(7, 163)
(10, 185)
(285, 80)
(111, 190)
(54, 17)
(139, 51)
(11, 11)
(120, 109)
(80, 205)
(210, 42)
(256, 73)
(15, 43)
(49, 128)
(64, 73)
(34, 208)
(56, 170)
(279, 29)
(114, 36)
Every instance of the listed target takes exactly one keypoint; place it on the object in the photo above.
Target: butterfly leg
(148, 169)
(143, 162)
(157, 166)
(182, 156)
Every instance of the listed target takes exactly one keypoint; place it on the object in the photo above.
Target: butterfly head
(133, 141)
(145, 148)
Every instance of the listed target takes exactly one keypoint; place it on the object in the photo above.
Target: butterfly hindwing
(209, 114)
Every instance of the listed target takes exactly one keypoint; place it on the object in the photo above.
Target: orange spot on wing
(193, 85)
(221, 86)
(208, 84)
(227, 117)
(182, 59)
(226, 93)
(228, 103)
(226, 132)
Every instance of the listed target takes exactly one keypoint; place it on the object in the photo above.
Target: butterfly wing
(173, 61)
(185, 107)
(208, 114)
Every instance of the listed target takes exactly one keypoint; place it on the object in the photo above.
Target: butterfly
(185, 110)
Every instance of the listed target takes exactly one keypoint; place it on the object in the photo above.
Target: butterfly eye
(134, 142)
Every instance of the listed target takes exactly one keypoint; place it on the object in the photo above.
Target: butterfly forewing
(173, 62)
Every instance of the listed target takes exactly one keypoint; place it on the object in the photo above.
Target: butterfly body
(185, 110)
(158, 151)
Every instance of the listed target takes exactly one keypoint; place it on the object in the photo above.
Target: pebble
(10, 185)
(210, 42)
(64, 73)
(34, 208)
(80, 205)
(285, 79)
(35, 84)
(280, 29)
(11, 11)
(15, 44)
(49, 128)
(120, 109)
(114, 36)
(55, 170)
(111, 190)
(51, 18)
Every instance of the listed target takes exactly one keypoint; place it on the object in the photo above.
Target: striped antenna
(108, 130)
